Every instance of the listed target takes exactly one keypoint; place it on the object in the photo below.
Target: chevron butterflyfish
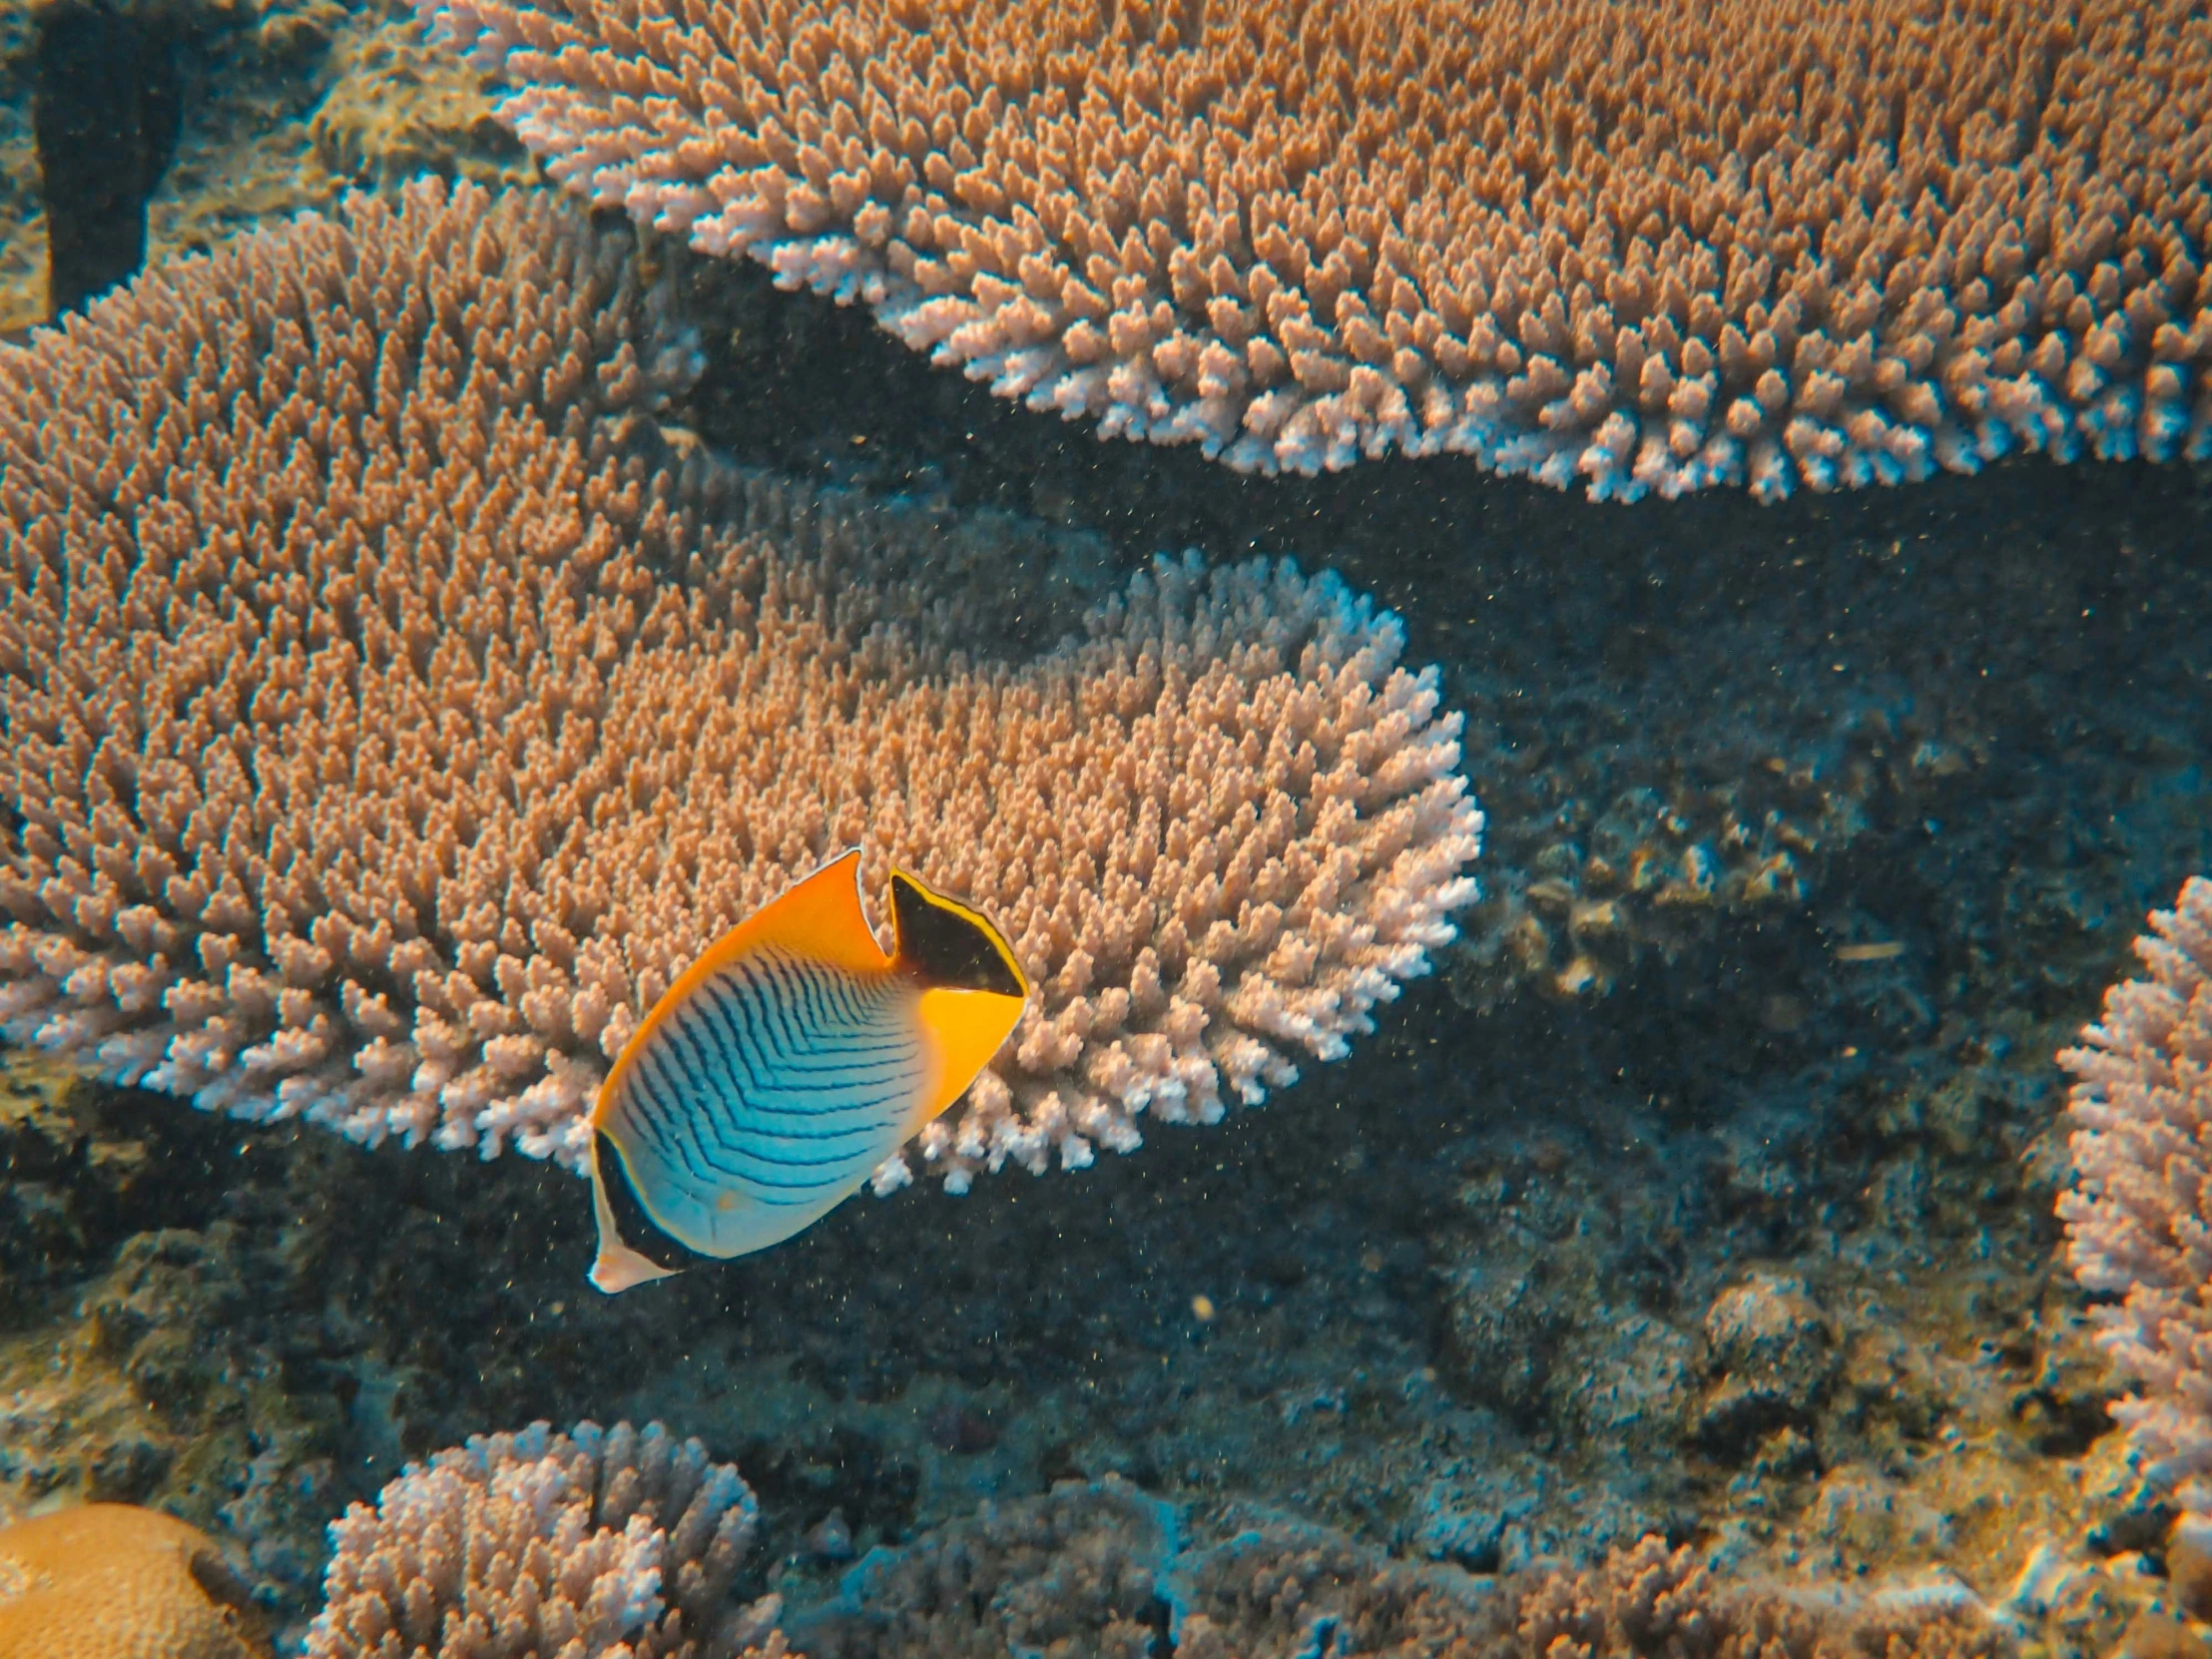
(787, 1064)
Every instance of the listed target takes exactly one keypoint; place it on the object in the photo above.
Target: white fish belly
(767, 1097)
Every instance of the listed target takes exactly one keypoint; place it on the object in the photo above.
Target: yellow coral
(110, 1581)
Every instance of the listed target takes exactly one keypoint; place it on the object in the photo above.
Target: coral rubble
(272, 106)
(1101, 1569)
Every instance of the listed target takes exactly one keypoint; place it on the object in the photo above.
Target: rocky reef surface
(268, 107)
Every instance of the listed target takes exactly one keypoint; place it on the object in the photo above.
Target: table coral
(391, 721)
(1647, 256)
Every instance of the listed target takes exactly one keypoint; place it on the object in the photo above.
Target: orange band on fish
(786, 1064)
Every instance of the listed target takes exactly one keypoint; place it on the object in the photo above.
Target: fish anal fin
(619, 1267)
(633, 1248)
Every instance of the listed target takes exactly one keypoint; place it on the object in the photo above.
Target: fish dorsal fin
(947, 946)
(819, 920)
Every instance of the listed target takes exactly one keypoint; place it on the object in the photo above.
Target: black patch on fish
(948, 947)
(633, 1226)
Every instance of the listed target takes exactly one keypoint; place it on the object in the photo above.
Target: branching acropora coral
(2139, 1218)
(595, 1544)
(388, 719)
(1655, 249)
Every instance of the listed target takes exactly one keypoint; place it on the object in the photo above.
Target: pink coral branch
(2139, 1218)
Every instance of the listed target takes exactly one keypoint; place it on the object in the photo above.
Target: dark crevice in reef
(107, 111)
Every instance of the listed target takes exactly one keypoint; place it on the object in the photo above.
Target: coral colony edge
(531, 746)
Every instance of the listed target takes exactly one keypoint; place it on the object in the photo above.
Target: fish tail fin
(948, 947)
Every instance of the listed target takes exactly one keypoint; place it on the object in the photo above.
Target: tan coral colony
(1636, 248)
(391, 714)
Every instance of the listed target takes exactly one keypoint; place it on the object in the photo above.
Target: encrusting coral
(1093, 1568)
(2139, 1218)
(392, 713)
(594, 1544)
(1808, 243)
(1652, 1602)
(110, 1581)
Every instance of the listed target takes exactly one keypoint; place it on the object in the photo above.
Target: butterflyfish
(786, 1065)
